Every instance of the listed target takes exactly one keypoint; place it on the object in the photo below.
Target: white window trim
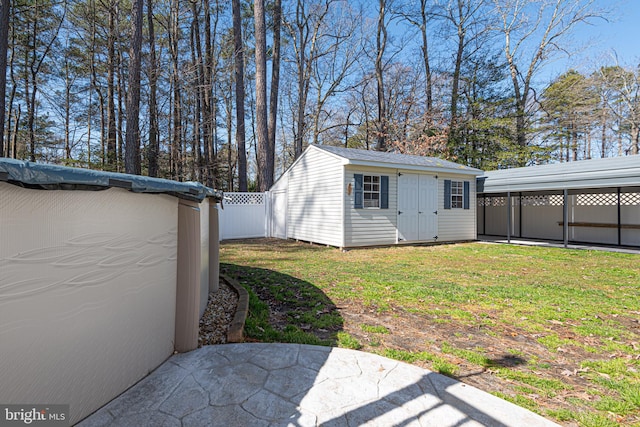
(457, 196)
(379, 192)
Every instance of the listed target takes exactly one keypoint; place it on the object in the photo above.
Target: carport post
(619, 219)
(565, 217)
(508, 217)
(484, 215)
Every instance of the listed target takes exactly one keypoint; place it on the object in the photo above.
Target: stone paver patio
(302, 385)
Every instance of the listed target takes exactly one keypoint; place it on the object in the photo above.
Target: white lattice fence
(244, 216)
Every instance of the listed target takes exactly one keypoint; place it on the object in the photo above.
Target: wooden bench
(600, 225)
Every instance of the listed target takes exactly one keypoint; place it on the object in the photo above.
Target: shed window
(371, 191)
(457, 194)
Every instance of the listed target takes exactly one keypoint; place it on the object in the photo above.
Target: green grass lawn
(570, 317)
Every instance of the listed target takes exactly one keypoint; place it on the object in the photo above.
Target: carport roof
(594, 173)
(352, 156)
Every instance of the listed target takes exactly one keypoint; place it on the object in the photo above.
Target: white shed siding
(314, 208)
(367, 227)
(281, 183)
(457, 224)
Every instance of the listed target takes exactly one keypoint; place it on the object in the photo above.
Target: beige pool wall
(90, 291)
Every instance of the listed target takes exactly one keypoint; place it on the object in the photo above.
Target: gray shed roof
(53, 177)
(594, 173)
(357, 157)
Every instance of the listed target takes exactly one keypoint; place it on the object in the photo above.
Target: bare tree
(381, 45)
(42, 26)
(176, 83)
(532, 32)
(340, 49)
(420, 18)
(463, 16)
(14, 110)
(132, 144)
(111, 154)
(305, 29)
(210, 121)
(624, 102)
(239, 79)
(154, 141)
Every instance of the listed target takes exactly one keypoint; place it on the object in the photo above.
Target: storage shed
(348, 198)
(589, 201)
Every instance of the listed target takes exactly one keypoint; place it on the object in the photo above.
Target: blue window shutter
(465, 199)
(384, 192)
(357, 193)
(447, 194)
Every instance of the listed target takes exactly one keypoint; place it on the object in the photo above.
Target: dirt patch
(505, 347)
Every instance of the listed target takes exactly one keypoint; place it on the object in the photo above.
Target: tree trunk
(5, 5)
(302, 34)
(154, 142)
(365, 109)
(92, 82)
(196, 57)
(122, 93)
(89, 125)
(620, 149)
(455, 84)
(265, 156)
(603, 135)
(587, 154)
(132, 145)
(301, 107)
(176, 138)
(574, 138)
(209, 119)
(229, 111)
(67, 110)
(102, 119)
(239, 79)
(111, 160)
(275, 77)
(14, 137)
(425, 56)
(635, 139)
(381, 41)
(27, 92)
(30, 96)
(11, 136)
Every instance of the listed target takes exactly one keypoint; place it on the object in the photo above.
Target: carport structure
(591, 201)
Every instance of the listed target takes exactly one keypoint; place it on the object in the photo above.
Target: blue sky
(603, 39)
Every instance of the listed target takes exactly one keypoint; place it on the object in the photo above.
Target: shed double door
(417, 207)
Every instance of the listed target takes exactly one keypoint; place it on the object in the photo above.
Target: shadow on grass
(283, 308)
(505, 361)
(277, 245)
(508, 361)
